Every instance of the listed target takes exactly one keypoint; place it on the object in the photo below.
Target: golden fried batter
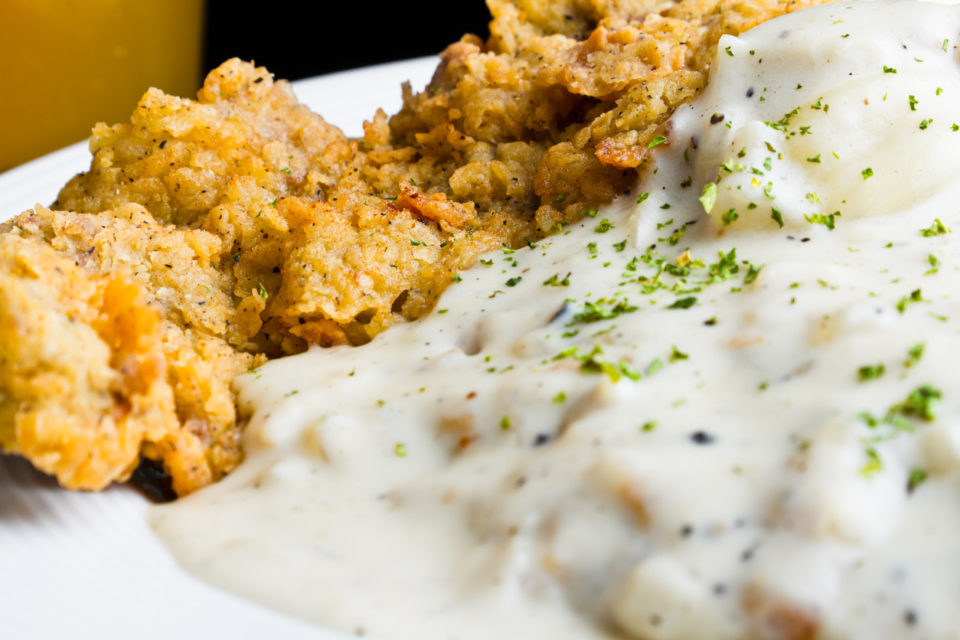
(553, 115)
(107, 347)
(210, 234)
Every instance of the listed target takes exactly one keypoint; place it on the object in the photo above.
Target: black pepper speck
(541, 439)
(702, 437)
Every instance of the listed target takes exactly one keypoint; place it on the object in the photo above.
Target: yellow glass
(67, 64)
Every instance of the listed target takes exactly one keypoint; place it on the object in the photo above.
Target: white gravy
(759, 444)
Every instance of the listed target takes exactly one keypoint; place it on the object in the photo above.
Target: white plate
(87, 565)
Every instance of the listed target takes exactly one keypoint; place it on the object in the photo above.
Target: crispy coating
(577, 88)
(107, 349)
(209, 234)
(314, 254)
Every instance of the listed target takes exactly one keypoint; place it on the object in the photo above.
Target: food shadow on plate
(29, 495)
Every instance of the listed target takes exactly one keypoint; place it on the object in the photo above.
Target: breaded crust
(100, 362)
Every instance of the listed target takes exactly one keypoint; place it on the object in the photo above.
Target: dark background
(304, 39)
